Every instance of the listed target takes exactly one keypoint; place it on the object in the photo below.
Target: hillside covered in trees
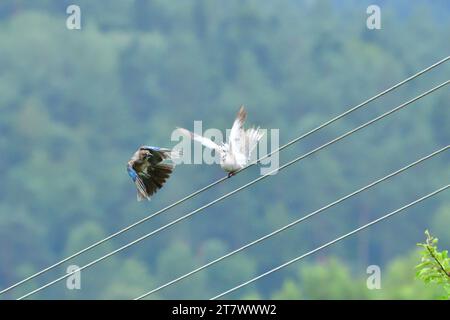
(75, 105)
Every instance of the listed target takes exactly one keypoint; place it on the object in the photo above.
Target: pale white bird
(236, 152)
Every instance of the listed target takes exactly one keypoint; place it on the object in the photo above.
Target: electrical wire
(192, 195)
(241, 188)
(332, 242)
(295, 222)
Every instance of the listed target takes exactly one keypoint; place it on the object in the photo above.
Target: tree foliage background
(75, 104)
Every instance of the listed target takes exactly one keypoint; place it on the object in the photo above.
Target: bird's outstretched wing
(155, 177)
(243, 142)
(237, 131)
(252, 137)
(204, 141)
(148, 182)
(140, 186)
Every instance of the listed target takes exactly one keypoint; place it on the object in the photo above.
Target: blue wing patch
(131, 172)
(150, 148)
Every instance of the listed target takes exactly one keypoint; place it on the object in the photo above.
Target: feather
(204, 141)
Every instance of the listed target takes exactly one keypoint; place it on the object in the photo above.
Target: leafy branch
(435, 265)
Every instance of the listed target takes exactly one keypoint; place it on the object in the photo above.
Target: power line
(331, 242)
(242, 187)
(192, 195)
(267, 236)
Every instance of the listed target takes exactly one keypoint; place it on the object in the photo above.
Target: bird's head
(144, 152)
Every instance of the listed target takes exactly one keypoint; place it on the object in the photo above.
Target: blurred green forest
(75, 105)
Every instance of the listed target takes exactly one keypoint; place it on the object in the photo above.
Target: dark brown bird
(148, 170)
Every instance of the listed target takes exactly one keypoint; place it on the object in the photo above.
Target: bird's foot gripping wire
(230, 174)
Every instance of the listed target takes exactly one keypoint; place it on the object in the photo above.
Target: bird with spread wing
(149, 170)
(236, 152)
